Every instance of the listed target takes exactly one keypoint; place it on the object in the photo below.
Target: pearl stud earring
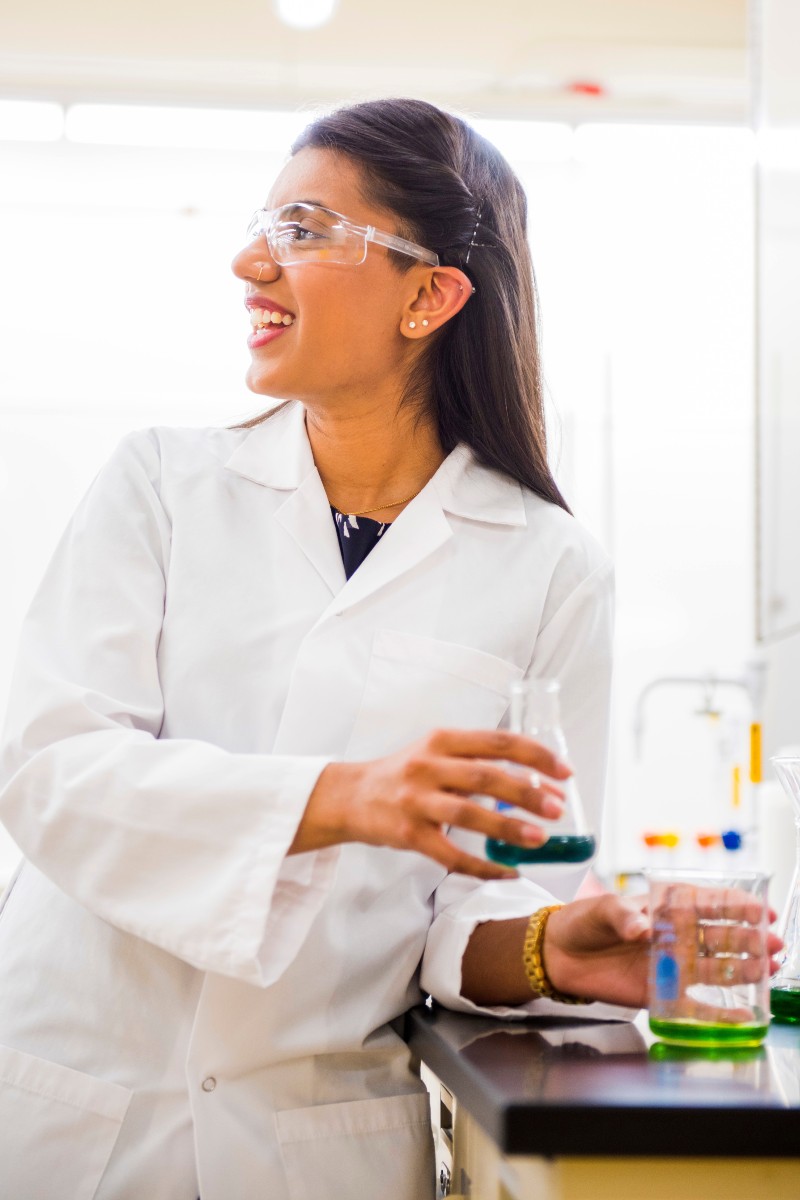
(425, 323)
(412, 324)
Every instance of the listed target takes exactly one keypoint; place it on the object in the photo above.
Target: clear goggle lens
(300, 233)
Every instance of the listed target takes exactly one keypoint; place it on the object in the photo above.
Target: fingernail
(636, 926)
(532, 834)
(552, 808)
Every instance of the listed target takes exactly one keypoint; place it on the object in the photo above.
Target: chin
(263, 383)
(268, 385)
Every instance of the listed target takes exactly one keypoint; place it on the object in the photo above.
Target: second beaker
(785, 988)
(709, 961)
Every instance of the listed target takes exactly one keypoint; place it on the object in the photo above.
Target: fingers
(487, 779)
(729, 971)
(404, 800)
(685, 903)
(435, 845)
(635, 927)
(774, 944)
(729, 939)
(446, 809)
(714, 1014)
(625, 918)
(497, 743)
(731, 904)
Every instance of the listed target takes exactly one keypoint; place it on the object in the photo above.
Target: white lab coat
(184, 1010)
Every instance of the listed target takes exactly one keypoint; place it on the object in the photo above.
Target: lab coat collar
(277, 454)
(467, 489)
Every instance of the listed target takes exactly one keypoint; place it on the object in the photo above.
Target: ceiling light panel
(189, 128)
(305, 14)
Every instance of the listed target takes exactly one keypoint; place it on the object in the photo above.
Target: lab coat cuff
(276, 920)
(447, 943)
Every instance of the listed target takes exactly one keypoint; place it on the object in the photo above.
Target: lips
(268, 319)
(264, 334)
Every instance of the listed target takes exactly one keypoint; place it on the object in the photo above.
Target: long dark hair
(452, 191)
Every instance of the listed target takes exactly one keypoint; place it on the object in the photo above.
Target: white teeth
(261, 317)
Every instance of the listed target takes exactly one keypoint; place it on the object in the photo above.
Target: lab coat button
(209, 1084)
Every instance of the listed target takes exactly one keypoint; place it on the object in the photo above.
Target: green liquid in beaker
(700, 1033)
(666, 1052)
(561, 848)
(785, 1005)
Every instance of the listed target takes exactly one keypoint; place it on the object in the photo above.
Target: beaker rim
(695, 874)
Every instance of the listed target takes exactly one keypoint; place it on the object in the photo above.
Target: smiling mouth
(262, 318)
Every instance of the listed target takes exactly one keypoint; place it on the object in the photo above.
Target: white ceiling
(681, 59)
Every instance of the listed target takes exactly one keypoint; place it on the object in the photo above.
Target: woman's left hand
(599, 947)
(596, 948)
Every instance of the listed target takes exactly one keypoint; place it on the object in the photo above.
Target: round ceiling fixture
(305, 14)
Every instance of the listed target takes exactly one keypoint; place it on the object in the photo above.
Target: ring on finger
(728, 972)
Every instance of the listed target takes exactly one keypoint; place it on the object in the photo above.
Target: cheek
(347, 329)
(348, 322)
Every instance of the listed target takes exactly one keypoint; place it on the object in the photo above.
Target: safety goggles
(309, 233)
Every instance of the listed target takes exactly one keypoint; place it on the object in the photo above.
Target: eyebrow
(318, 203)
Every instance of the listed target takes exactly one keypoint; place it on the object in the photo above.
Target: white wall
(645, 261)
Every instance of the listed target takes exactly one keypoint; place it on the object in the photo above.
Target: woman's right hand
(405, 799)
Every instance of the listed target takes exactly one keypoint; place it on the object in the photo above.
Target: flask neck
(535, 707)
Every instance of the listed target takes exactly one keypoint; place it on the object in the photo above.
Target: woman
(244, 782)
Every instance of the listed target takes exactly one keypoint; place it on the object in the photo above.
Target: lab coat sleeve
(573, 646)
(177, 841)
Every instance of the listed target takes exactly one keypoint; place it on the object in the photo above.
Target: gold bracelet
(534, 963)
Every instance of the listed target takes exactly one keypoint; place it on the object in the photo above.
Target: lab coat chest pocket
(416, 684)
(60, 1127)
(378, 1149)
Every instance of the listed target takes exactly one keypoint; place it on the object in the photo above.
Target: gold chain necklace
(378, 507)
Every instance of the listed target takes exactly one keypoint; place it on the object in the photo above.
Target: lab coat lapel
(277, 454)
(418, 532)
(306, 516)
(461, 488)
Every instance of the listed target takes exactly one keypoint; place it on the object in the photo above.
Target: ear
(442, 293)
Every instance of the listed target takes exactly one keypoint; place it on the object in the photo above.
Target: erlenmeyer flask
(535, 712)
(785, 987)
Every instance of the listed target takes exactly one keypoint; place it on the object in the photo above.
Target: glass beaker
(535, 712)
(785, 995)
(709, 967)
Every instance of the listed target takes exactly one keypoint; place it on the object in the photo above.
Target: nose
(254, 262)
